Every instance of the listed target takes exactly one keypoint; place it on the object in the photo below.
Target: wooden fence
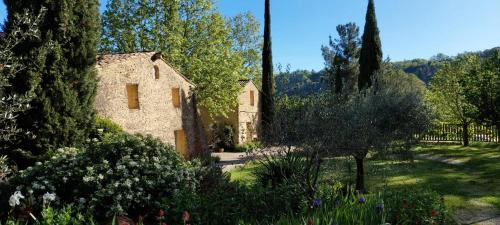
(453, 133)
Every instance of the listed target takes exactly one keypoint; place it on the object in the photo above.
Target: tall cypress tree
(370, 59)
(64, 81)
(267, 76)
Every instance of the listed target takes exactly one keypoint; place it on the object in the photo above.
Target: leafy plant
(122, 174)
(223, 136)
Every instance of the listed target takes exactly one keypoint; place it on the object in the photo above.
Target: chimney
(157, 56)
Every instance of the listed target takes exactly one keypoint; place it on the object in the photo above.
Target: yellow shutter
(176, 97)
(181, 142)
(252, 98)
(157, 72)
(133, 96)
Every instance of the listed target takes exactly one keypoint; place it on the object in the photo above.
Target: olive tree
(389, 115)
(11, 104)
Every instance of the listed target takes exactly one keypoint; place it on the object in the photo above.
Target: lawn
(474, 180)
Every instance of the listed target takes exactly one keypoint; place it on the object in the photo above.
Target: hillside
(303, 82)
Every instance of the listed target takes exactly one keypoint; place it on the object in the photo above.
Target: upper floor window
(252, 98)
(157, 72)
(133, 96)
(176, 97)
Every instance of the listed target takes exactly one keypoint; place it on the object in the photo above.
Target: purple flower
(362, 200)
(317, 202)
(380, 208)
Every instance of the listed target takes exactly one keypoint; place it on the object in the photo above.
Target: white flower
(48, 197)
(100, 177)
(15, 199)
(38, 163)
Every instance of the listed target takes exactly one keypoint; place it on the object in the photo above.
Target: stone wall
(249, 116)
(157, 115)
(239, 117)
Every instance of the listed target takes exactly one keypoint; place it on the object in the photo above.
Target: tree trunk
(465, 134)
(498, 132)
(360, 174)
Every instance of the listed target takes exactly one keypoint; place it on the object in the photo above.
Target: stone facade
(245, 119)
(143, 94)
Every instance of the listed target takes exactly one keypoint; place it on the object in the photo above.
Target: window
(157, 72)
(176, 97)
(181, 142)
(252, 98)
(133, 96)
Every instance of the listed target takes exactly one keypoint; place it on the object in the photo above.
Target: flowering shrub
(122, 175)
(420, 206)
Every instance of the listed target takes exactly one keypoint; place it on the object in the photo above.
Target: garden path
(479, 213)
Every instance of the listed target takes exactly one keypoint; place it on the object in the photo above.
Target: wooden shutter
(133, 96)
(176, 97)
(157, 72)
(181, 142)
(252, 98)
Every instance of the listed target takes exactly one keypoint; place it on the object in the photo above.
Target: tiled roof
(112, 58)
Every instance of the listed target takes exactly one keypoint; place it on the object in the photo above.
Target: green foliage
(448, 90)
(420, 206)
(370, 59)
(267, 77)
(63, 76)
(299, 83)
(248, 147)
(122, 174)
(247, 41)
(341, 58)
(392, 206)
(104, 126)
(52, 216)
(483, 90)
(223, 136)
(12, 104)
(5, 170)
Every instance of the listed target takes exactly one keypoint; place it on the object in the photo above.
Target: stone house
(245, 119)
(143, 94)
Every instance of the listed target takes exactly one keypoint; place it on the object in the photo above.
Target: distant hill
(303, 82)
(426, 69)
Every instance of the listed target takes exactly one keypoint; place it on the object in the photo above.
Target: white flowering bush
(121, 174)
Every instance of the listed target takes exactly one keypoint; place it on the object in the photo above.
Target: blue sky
(409, 28)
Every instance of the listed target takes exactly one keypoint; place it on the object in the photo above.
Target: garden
(372, 144)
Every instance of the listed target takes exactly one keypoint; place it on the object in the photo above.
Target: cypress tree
(370, 59)
(64, 81)
(267, 77)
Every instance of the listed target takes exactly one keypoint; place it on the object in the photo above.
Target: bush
(51, 216)
(248, 147)
(223, 136)
(5, 170)
(421, 206)
(122, 174)
(394, 206)
(103, 127)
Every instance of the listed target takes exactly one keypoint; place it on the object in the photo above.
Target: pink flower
(161, 213)
(185, 216)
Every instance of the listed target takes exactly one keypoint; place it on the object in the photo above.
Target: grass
(476, 179)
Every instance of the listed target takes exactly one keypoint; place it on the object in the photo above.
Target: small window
(133, 96)
(252, 98)
(181, 142)
(176, 97)
(157, 72)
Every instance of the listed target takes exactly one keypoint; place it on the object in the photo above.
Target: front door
(181, 142)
